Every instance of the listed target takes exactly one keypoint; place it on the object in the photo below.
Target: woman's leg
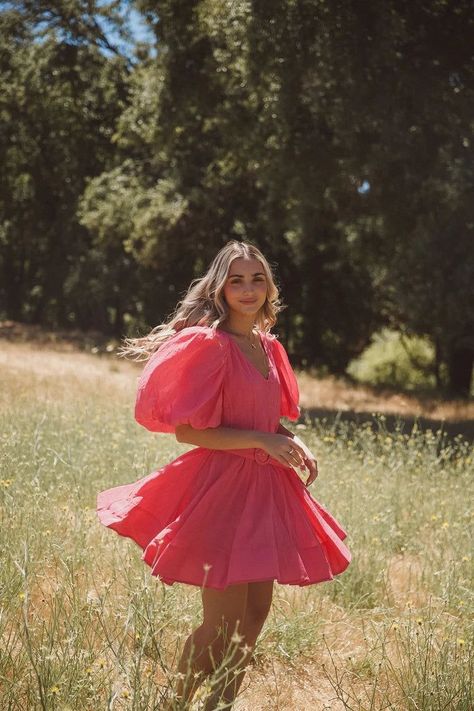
(259, 600)
(223, 613)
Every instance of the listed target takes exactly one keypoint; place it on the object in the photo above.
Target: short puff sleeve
(182, 382)
(289, 391)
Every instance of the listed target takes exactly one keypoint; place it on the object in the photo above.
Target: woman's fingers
(297, 452)
(313, 468)
(296, 455)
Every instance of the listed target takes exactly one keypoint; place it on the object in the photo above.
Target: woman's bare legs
(259, 599)
(223, 614)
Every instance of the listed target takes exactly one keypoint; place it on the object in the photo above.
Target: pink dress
(214, 518)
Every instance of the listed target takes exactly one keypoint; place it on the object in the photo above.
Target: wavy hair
(204, 303)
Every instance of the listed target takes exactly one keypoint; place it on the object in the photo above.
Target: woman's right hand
(284, 449)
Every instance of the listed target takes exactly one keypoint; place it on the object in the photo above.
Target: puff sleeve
(289, 391)
(182, 382)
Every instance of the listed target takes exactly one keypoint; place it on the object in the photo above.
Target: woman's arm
(225, 437)
(219, 437)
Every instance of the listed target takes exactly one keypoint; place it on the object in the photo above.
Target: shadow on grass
(392, 421)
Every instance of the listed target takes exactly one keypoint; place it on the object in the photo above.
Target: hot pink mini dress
(214, 518)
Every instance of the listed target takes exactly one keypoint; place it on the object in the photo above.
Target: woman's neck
(239, 326)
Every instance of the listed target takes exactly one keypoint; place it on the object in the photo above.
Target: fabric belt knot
(256, 454)
(261, 456)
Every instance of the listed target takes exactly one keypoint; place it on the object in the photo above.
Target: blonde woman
(232, 515)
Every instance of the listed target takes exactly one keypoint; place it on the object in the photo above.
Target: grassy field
(84, 625)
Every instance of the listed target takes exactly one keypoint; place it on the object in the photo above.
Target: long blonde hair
(204, 303)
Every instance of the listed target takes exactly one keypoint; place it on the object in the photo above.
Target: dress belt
(256, 454)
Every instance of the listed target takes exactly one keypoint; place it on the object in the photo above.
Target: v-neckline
(252, 365)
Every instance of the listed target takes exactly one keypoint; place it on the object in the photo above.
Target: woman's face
(245, 290)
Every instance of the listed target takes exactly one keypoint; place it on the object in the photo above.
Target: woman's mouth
(251, 301)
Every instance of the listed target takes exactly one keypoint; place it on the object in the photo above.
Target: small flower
(54, 690)
(419, 621)
(21, 595)
(88, 671)
(445, 524)
(236, 637)
(125, 694)
(101, 663)
(465, 558)
(461, 642)
(395, 627)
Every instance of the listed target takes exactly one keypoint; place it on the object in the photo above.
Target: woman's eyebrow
(241, 275)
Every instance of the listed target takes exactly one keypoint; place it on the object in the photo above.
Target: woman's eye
(237, 281)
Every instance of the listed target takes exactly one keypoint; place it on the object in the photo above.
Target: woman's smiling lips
(251, 301)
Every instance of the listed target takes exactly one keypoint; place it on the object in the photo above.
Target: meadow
(83, 624)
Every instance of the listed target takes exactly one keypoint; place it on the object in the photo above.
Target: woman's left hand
(309, 461)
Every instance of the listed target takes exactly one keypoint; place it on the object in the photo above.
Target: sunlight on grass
(84, 625)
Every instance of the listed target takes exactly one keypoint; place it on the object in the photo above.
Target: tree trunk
(460, 364)
(437, 364)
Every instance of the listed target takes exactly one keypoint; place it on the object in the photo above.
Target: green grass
(83, 624)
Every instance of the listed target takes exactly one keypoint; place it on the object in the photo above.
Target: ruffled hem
(211, 519)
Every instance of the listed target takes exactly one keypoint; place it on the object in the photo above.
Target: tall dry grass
(83, 625)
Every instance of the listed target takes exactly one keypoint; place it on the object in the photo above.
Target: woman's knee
(224, 610)
(259, 602)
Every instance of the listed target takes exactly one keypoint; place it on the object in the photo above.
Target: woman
(231, 515)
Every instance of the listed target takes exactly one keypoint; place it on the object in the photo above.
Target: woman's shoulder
(270, 338)
(196, 338)
(189, 345)
(193, 332)
(202, 333)
(278, 349)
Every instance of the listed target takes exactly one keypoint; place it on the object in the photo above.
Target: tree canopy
(337, 136)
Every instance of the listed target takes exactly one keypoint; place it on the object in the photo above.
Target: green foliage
(391, 359)
(334, 136)
(61, 101)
